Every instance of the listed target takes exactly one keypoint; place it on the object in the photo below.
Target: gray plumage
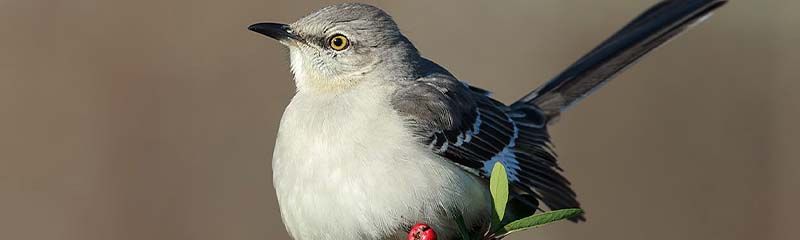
(378, 137)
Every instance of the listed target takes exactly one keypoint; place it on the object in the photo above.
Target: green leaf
(462, 227)
(540, 219)
(498, 185)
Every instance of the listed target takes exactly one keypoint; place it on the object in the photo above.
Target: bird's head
(341, 45)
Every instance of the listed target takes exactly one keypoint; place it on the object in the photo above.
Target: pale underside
(346, 167)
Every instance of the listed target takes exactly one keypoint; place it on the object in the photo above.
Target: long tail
(648, 31)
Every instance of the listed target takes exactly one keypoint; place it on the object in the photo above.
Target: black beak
(277, 31)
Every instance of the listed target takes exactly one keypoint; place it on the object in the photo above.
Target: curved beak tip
(277, 31)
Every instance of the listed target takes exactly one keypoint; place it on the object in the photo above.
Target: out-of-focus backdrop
(156, 119)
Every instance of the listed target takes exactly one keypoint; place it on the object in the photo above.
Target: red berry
(421, 231)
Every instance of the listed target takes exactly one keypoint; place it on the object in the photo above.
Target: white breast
(346, 167)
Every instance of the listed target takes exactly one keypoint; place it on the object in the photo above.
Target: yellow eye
(338, 42)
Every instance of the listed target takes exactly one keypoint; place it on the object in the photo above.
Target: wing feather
(466, 126)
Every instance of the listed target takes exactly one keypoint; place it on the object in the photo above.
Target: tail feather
(648, 31)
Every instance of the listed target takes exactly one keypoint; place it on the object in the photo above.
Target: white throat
(308, 78)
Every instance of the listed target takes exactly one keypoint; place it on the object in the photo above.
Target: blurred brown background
(156, 119)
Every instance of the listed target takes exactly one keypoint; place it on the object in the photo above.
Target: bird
(377, 137)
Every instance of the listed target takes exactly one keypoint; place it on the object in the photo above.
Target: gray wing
(474, 131)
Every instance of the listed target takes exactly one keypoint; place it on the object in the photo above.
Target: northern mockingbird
(378, 137)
